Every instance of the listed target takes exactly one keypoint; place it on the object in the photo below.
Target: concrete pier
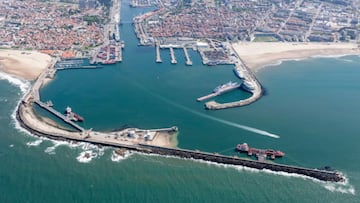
(172, 54)
(188, 61)
(206, 97)
(59, 115)
(158, 57)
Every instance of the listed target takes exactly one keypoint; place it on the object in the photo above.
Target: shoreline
(259, 55)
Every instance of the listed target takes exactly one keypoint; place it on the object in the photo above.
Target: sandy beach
(259, 54)
(24, 64)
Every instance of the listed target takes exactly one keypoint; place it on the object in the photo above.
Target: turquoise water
(313, 105)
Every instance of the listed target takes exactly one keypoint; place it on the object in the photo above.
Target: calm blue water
(313, 105)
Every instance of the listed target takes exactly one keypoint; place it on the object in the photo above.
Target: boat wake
(229, 123)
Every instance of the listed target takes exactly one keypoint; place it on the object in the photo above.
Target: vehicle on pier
(260, 153)
(226, 87)
(73, 116)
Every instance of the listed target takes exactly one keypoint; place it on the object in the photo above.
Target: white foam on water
(51, 150)
(342, 187)
(348, 189)
(22, 84)
(34, 143)
(11, 145)
(117, 158)
(86, 156)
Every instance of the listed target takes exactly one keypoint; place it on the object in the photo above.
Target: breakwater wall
(183, 153)
(233, 160)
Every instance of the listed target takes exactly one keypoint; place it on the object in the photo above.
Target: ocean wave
(51, 150)
(34, 143)
(3, 100)
(22, 84)
(86, 156)
(117, 158)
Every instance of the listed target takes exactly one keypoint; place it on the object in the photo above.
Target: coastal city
(58, 28)
(277, 20)
(245, 35)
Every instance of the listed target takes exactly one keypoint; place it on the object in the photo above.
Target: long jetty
(188, 61)
(172, 54)
(158, 57)
(59, 115)
(183, 153)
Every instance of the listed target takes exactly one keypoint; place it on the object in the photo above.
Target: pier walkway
(207, 97)
(158, 57)
(59, 115)
(172, 54)
(188, 61)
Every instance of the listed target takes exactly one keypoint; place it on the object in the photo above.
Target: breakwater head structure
(249, 83)
(145, 141)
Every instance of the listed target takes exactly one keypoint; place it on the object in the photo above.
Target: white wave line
(244, 127)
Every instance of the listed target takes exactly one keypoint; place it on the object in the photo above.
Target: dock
(158, 57)
(206, 97)
(59, 115)
(188, 61)
(172, 54)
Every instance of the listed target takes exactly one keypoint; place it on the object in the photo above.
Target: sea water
(312, 105)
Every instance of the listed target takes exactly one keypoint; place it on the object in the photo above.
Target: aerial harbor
(181, 101)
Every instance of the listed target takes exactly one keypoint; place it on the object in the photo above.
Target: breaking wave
(86, 156)
(22, 84)
(342, 187)
(34, 143)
